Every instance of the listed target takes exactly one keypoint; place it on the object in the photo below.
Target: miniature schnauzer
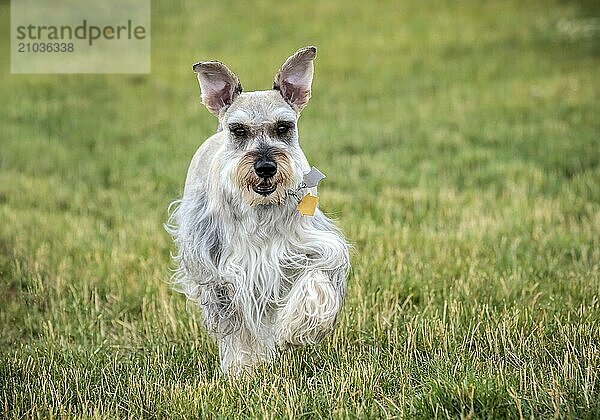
(266, 267)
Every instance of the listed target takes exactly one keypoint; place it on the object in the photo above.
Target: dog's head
(262, 157)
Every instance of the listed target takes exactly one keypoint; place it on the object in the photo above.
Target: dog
(265, 276)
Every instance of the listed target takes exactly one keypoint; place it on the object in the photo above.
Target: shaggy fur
(263, 275)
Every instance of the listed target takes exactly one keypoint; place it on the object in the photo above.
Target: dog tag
(308, 205)
(313, 177)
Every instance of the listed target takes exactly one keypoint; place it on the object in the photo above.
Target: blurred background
(461, 145)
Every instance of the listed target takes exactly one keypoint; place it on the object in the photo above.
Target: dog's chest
(258, 263)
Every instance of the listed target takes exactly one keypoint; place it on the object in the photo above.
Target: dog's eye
(283, 127)
(238, 130)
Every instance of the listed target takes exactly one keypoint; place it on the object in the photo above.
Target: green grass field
(461, 142)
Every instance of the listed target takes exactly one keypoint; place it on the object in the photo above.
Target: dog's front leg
(234, 355)
(310, 311)
(240, 351)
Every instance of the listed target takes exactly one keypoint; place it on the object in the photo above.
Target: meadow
(461, 142)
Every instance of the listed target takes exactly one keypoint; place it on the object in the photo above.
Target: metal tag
(308, 205)
(313, 177)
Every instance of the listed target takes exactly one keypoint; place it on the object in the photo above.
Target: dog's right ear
(219, 86)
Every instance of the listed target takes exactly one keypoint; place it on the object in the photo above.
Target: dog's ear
(295, 76)
(219, 86)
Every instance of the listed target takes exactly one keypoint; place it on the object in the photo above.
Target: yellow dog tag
(308, 205)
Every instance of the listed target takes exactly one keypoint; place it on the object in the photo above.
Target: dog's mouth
(265, 188)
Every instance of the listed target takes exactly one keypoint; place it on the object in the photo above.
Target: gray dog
(264, 274)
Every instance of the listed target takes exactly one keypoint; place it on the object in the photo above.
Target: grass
(461, 143)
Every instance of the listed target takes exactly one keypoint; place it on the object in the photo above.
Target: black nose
(265, 168)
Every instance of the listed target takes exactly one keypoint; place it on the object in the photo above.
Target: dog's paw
(310, 311)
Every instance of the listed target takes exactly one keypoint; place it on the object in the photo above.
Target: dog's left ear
(219, 85)
(295, 76)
